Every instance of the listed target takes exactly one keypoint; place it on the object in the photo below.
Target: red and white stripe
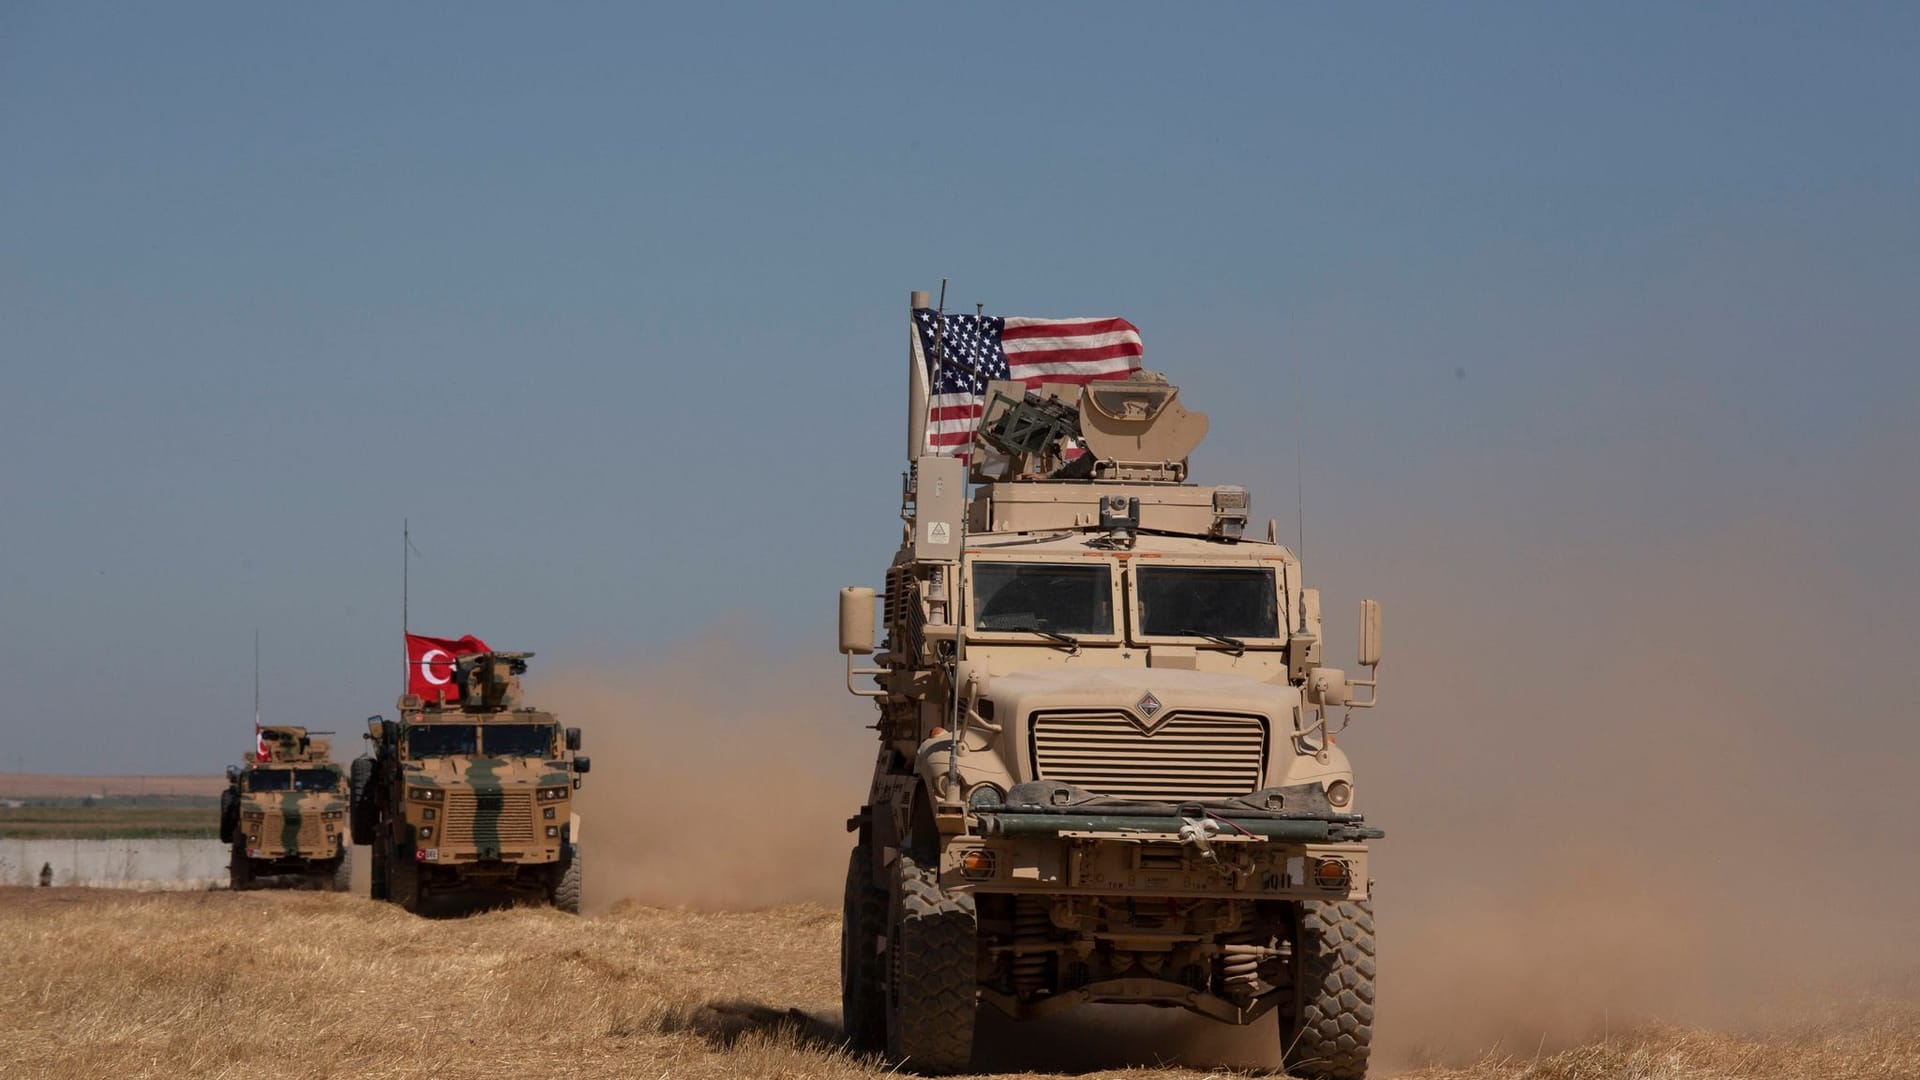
(1071, 351)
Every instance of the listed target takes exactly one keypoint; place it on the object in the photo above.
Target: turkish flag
(430, 665)
(260, 751)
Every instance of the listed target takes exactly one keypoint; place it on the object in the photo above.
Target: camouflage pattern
(1108, 768)
(286, 817)
(472, 799)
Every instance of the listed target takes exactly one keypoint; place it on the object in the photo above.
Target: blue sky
(610, 303)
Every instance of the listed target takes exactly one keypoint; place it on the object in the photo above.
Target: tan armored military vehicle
(284, 814)
(1107, 768)
(471, 799)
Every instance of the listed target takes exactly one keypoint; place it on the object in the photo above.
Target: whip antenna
(1300, 471)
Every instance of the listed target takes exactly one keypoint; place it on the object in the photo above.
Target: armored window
(315, 779)
(517, 740)
(1194, 601)
(1051, 597)
(440, 740)
(270, 780)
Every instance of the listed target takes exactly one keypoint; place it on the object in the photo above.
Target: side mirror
(233, 773)
(1369, 633)
(582, 764)
(1328, 687)
(856, 620)
(374, 728)
(573, 738)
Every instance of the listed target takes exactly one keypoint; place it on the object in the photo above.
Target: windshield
(1215, 601)
(517, 740)
(1051, 597)
(292, 780)
(440, 740)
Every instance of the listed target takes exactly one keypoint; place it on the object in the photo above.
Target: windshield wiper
(1233, 644)
(1072, 643)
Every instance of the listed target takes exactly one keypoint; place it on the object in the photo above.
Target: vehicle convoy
(284, 814)
(469, 797)
(1107, 768)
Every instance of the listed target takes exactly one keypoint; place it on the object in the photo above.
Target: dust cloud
(724, 772)
(1643, 764)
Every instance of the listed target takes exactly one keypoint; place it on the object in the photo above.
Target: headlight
(422, 793)
(985, 797)
(1339, 793)
(553, 793)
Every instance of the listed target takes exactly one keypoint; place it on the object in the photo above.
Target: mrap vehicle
(284, 814)
(471, 799)
(1107, 769)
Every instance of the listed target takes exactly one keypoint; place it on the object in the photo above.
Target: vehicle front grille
(1189, 755)
(312, 834)
(487, 818)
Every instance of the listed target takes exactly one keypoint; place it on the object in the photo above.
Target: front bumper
(1055, 840)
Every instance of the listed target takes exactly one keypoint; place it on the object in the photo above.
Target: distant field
(38, 786)
(303, 986)
(173, 817)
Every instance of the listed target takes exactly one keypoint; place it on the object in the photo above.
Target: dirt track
(112, 984)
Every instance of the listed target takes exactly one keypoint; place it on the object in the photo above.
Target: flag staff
(406, 555)
(256, 682)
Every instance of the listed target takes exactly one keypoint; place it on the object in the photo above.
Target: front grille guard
(1298, 813)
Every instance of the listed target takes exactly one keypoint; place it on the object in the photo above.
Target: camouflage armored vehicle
(471, 799)
(284, 814)
(1107, 769)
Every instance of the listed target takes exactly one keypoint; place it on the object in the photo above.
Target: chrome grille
(1189, 755)
(511, 811)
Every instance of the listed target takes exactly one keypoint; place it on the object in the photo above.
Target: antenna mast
(256, 680)
(406, 554)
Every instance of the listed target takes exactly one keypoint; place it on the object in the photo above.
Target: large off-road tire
(863, 923)
(403, 882)
(1332, 1020)
(229, 815)
(931, 973)
(343, 870)
(239, 869)
(566, 895)
(363, 815)
(377, 887)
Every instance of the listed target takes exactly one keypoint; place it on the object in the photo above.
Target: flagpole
(256, 683)
(406, 553)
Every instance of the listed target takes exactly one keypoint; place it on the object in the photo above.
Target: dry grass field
(122, 985)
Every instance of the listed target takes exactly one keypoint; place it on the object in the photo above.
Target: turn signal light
(978, 863)
(1331, 874)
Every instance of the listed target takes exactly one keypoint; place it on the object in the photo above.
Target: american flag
(1032, 351)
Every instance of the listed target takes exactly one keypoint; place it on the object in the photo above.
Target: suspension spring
(1032, 925)
(1240, 969)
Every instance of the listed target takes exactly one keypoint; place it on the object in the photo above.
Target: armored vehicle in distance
(1107, 769)
(471, 799)
(284, 814)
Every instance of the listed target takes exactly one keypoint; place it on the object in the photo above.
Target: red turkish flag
(430, 665)
(260, 751)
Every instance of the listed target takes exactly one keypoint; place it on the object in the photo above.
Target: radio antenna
(256, 680)
(1300, 470)
(407, 551)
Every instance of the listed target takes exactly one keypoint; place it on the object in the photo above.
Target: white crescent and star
(427, 663)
